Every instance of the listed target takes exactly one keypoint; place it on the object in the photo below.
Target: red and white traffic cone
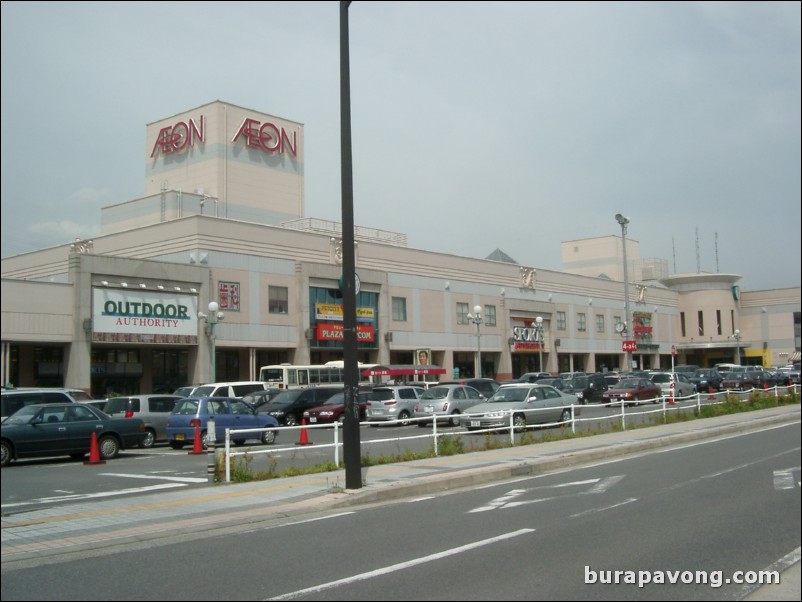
(712, 396)
(304, 440)
(94, 452)
(197, 445)
(671, 395)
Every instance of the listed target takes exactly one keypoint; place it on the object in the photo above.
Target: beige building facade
(222, 221)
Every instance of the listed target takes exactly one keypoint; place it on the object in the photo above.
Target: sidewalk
(87, 528)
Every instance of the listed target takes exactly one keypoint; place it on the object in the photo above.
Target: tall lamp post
(538, 326)
(737, 336)
(212, 318)
(624, 221)
(476, 318)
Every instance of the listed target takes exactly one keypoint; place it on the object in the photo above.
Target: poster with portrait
(423, 357)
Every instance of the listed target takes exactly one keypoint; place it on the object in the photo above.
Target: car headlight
(497, 414)
(327, 413)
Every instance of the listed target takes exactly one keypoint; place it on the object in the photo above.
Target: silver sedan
(521, 404)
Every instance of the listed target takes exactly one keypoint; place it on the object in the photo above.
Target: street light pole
(212, 318)
(538, 326)
(476, 318)
(737, 336)
(624, 221)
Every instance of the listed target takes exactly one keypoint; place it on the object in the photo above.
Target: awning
(795, 356)
(403, 370)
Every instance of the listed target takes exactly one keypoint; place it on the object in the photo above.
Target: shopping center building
(223, 221)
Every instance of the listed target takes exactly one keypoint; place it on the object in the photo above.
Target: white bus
(289, 376)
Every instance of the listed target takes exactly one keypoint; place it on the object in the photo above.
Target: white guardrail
(663, 405)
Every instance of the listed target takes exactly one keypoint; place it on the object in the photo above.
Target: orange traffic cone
(711, 394)
(766, 386)
(94, 452)
(197, 445)
(671, 395)
(304, 440)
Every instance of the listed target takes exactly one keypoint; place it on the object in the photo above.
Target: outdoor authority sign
(143, 316)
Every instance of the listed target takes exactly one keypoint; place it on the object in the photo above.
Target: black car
(288, 407)
(588, 388)
(704, 378)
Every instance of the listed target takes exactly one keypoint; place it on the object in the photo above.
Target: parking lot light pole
(737, 336)
(476, 318)
(212, 318)
(538, 326)
(624, 221)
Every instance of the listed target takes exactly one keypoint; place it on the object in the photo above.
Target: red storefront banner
(334, 332)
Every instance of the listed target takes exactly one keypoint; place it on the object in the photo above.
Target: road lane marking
(152, 476)
(89, 496)
(400, 566)
(603, 508)
(784, 479)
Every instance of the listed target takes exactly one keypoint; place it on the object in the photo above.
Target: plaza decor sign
(143, 317)
(266, 136)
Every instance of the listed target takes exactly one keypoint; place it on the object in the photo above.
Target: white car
(683, 387)
(527, 403)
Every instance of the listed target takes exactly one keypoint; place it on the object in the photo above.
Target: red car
(632, 391)
(334, 409)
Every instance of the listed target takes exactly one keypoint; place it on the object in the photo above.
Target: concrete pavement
(85, 529)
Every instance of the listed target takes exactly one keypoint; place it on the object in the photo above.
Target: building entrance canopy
(403, 370)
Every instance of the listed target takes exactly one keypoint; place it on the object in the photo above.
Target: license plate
(179, 436)
(312, 419)
(429, 409)
(475, 423)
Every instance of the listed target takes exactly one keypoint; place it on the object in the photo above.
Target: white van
(232, 389)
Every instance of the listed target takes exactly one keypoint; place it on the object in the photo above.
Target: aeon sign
(179, 136)
(266, 136)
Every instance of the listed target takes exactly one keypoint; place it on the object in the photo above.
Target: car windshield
(21, 416)
(336, 399)
(187, 407)
(286, 397)
(511, 394)
(435, 393)
(661, 378)
(631, 383)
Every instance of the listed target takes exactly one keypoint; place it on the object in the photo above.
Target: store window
(400, 309)
(490, 315)
(561, 322)
(581, 322)
(462, 313)
(278, 299)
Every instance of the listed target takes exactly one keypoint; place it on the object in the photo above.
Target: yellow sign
(334, 312)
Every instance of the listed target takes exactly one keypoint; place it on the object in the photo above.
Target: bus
(290, 376)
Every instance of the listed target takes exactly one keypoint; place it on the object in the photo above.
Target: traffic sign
(629, 346)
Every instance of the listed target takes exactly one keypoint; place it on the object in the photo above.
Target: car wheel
(403, 417)
(109, 447)
(176, 444)
(519, 423)
(205, 439)
(149, 440)
(5, 453)
(269, 437)
(290, 420)
(565, 418)
(454, 421)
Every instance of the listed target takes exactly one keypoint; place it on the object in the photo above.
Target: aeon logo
(175, 138)
(266, 136)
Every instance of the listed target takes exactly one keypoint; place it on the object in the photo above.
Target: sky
(476, 126)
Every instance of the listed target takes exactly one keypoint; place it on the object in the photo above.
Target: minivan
(152, 409)
(231, 389)
(14, 399)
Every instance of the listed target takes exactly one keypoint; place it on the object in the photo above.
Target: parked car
(633, 391)
(555, 382)
(531, 377)
(66, 429)
(682, 386)
(185, 391)
(392, 402)
(193, 413)
(528, 403)
(288, 407)
(446, 402)
(736, 381)
(257, 399)
(612, 380)
(588, 388)
(232, 389)
(12, 400)
(704, 378)
(152, 409)
(333, 409)
(485, 386)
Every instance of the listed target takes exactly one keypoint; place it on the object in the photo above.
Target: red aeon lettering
(175, 138)
(266, 136)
